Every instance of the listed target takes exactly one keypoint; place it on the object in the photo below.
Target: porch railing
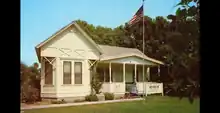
(154, 88)
(150, 88)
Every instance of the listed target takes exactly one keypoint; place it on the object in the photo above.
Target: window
(107, 76)
(100, 72)
(118, 74)
(118, 77)
(48, 70)
(140, 74)
(133, 76)
(67, 72)
(107, 79)
(78, 72)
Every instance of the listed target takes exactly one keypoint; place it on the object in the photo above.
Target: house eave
(125, 56)
(38, 47)
(38, 54)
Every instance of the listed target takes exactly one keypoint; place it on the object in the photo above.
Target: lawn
(154, 104)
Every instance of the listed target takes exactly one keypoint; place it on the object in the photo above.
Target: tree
(30, 82)
(174, 40)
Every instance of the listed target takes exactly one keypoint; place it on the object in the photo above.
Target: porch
(118, 77)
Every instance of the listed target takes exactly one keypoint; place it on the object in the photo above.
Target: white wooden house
(66, 58)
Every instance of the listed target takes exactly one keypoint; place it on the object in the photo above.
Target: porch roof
(114, 52)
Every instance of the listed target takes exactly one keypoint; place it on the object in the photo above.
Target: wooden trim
(77, 73)
(48, 85)
(110, 72)
(38, 47)
(68, 73)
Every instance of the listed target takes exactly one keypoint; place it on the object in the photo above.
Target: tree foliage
(95, 83)
(186, 24)
(173, 40)
(30, 82)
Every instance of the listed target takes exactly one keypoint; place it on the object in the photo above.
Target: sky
(39, 19)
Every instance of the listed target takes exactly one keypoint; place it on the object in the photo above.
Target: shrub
(109, 96)
(96, 83)
(58, 101)
(79, 100)
(91, 98)
(29, 94)
(34, 95)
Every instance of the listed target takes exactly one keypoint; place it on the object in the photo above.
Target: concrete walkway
(77, 104)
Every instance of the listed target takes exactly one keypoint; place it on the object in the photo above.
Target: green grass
(154, 104)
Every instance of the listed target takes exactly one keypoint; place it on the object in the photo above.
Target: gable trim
(37, 48)
(125, 56)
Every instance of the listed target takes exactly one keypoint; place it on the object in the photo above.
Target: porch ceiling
(133, 59)
(112, 53)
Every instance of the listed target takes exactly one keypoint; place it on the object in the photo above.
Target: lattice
(79, 52)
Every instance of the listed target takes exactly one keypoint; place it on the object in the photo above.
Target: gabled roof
(106, 52)
(37, 48)
(114, 52)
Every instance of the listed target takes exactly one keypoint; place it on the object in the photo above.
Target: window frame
(69, 73)
(100, 72)
(78, 73)
(45, 69)
(107, 75)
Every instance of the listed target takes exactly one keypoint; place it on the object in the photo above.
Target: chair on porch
(134, 91)
(131, 90)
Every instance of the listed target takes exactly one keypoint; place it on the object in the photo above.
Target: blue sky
(41, 18)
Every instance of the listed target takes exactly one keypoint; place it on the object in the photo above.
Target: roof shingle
(112, 52)
(115, 50)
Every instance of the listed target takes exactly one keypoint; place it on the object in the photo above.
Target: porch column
(124, 72)
(148, 77)
(42, 81)
(158, 70)
(148, 73)
(104, 74)
(143, 81)
(110, 77)
(57, 75)
(110, 72)
(135, 73)
(143, 73)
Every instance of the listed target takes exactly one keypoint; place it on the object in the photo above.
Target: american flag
(138, 16)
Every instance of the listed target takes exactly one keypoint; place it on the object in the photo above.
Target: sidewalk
(77, 104)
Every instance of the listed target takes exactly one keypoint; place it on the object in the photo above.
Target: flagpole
(143, 52)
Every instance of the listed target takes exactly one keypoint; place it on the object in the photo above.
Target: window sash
(48, 71)
(78, 72)
(67, 70)
(140, 74)
(107, 77)
(67, 67)
(78, 78)
(67, 78)
(100, 72)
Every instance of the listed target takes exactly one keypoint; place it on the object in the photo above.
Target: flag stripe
(137, 16)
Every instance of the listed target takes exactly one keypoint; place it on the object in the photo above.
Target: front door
(129, 77)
